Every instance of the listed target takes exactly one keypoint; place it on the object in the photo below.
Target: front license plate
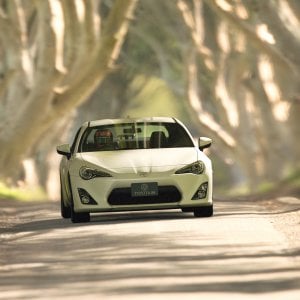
(146, 189)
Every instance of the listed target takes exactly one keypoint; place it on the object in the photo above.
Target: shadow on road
(138, 253)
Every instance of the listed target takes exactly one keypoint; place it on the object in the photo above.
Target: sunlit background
(228, 69)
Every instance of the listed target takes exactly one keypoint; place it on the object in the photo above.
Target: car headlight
(89, 173)
(197, 167)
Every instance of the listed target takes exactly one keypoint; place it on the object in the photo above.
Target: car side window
(178, 137)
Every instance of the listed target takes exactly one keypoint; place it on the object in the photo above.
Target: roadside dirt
(284, 210)
(286, 218)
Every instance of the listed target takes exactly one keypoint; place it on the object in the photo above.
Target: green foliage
(21, 193)
(154, 98)
(294, 178)
(266, 187)
(290, 185)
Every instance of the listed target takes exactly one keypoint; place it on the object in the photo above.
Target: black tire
(75, 216)
(79, 217)
(65, 211)
(203, 212)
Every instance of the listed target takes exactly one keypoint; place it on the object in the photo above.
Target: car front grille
(166, 194)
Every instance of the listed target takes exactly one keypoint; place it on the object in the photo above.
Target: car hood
(146, 160)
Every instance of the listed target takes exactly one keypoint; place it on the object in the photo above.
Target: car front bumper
(114, 193)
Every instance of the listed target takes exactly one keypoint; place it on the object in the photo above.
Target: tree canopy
(233, 65)
(54, 54)
(228, 60)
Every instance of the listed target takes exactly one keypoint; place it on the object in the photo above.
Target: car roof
(130, 120)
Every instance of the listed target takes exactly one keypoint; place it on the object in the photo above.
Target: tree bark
(29, 111)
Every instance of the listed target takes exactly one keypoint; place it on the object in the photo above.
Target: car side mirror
(64, 150)
(204, 142)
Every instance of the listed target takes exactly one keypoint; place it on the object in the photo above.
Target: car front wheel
(203, 212)
(64, 210)
(79, 217)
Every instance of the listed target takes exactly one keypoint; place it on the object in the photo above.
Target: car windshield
(130, 136)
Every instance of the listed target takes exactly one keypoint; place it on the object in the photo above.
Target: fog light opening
(86, 198)
(201, 192)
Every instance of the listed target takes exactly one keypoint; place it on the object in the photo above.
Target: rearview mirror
(64, 150)
(204, 142)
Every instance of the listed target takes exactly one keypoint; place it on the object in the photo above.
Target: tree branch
(204, 117)
(102, 61)
(244, 27)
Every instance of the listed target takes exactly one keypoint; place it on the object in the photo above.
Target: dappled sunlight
(280, 108)
(118, 46)
(80, 10)
(204, 116)
(197, 26)
(236, 7)
(224, 42)
(241, 11)
(207, 118)
(27, 65)
(289, 19)
(228, 103)
(229, 69)
(270, 86)
(264, 33)
(25, 55)
(222, 37)
(58, 25)
(250, 105)
(225, 5)
(161, 255)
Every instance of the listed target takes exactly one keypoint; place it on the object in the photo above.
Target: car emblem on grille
(143, 174)
(144, 187)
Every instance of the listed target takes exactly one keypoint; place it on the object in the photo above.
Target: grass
(294, 178)
(289, 186)
(21, 193)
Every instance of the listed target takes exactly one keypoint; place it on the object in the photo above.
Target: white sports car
(134, 164)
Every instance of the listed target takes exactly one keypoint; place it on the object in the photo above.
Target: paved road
(240, 253)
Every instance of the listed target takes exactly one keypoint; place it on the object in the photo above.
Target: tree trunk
(30, 111)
